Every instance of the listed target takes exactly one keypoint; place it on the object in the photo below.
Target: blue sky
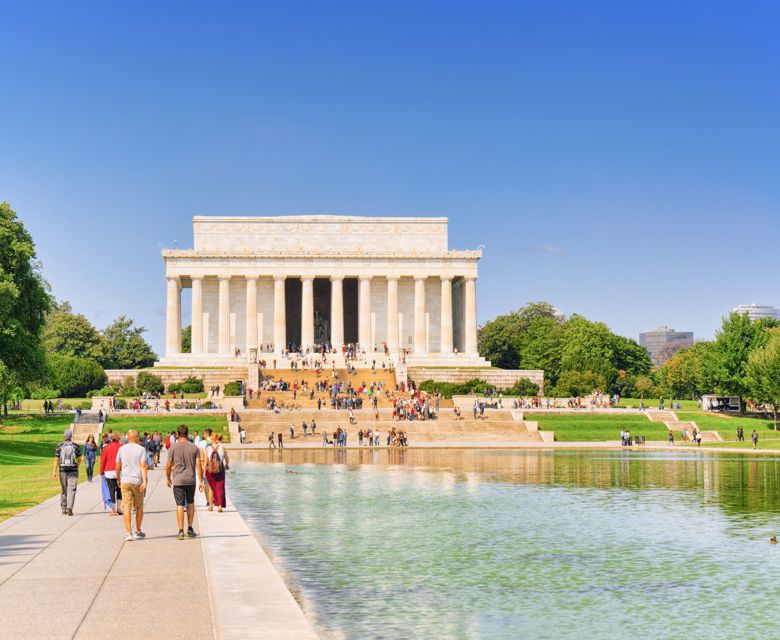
(619, 159)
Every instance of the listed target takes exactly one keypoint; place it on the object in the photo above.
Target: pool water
(520, 544)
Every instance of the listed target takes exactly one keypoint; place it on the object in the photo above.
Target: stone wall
(501, 378)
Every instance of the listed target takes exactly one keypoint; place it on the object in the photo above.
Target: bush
(449, 389)
(192, 385)
(579, 383)
(44, 394)
(523, 387)
(122, 403)
(73, 377)
(149, 382)
(129, 388)
(232, 389)
(105, 391)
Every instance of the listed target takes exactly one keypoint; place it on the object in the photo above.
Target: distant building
(758, 311)
(663, 342)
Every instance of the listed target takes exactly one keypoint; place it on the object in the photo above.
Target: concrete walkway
(75, 577)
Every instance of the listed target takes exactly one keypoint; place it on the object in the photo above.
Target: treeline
(578, 356)
(47, 350)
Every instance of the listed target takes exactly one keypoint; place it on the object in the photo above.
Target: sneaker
(140, 535)
(70, 512)
(64, 512)
(191, 533)
(180, 535)
(129, 537)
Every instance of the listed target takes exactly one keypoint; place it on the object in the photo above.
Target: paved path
(75, 577)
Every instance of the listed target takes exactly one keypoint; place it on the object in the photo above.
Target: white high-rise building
(758, 311)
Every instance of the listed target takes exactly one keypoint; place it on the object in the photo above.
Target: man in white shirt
(131, 478)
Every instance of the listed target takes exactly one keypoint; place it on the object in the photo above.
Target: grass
(33, 406)
(596, 427)
(26, 478)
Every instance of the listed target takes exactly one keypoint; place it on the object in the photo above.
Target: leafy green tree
(186, 339)
(644, 386)
(9, 387)
(734, 342)
(124, 346)
(763, 374)
(24, 299)
(73, 377)
(147, 381)
(71, 334)
(589, 346)
(579, 383)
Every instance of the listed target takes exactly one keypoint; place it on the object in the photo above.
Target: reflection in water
(460, 543)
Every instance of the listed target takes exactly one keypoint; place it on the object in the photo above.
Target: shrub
(192, 385)
(232, 389)
(44, 394)
(72, 376)
(105, 391)
(122, 403)
(129, 388)
(523, 387)
(175, 386)
(149, 382)
(449, 389)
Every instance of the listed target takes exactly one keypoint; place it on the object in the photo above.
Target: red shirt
(108, 457)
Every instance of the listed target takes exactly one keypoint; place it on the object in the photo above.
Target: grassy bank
(26, 477)
(596, 427)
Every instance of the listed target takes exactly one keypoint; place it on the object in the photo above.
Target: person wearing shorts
(131, 477)
(184, 465)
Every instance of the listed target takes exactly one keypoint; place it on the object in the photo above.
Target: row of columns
(173, 324)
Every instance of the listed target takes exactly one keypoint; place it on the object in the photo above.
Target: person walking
(180, 471)
(216, 465)
(271, 444)
(754, 438)
(279, 439)
(90, 455)
(67, 457)
(131, 470)
(108, 471)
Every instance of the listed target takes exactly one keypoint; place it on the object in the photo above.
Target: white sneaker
(129, 537)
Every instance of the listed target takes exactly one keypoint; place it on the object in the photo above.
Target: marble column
(337, 313)
(173, 317)
(196, 335)
(419, 315)
(392, 313)
(280, 316)
(224, 314)
(470, 316)
(364, 314)
(446, 315)
(307, 312)
(251, 314)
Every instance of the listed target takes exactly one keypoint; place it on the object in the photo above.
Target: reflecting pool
(520, 544)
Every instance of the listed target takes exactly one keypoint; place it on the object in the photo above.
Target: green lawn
(588, 427)
(34, 406)
(726, 426)
(26, 477)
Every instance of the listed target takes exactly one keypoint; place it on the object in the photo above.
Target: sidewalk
(75, 577)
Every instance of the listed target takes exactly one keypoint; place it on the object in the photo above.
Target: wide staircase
(307, 380)
(499, 427)
(677, 426)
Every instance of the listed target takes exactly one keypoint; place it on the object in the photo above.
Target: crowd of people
(125, 461)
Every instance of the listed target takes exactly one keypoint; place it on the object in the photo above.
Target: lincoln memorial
(270, 284)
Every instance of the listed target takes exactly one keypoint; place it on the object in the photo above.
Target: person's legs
(127, 507)
(64, 491)
(73, 480)
(190, 515)
(180, 517)
(139, 517)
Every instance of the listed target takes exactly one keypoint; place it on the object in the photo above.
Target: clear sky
(618, 159)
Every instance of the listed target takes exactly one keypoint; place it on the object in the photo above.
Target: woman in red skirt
(216, 465)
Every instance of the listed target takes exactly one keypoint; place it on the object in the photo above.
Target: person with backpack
(216, 465)
(67, 457)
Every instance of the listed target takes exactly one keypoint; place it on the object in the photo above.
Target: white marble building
(260, 284)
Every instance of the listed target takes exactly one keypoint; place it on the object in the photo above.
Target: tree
(763, 374)
(73, 377)
(147, 381)
(124, 346)
(644, 386)
(734, 342)
(186, 339)
(71, 334)
(579, 383)
(689, 372)
(24, 299)
(9, 387)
